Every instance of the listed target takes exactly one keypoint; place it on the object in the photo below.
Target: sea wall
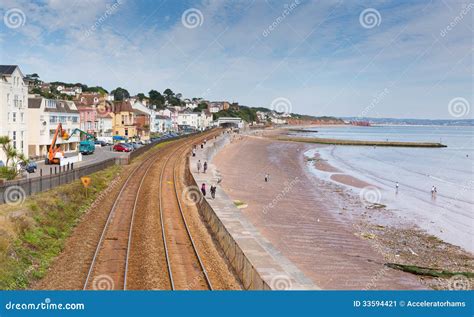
(257, 263)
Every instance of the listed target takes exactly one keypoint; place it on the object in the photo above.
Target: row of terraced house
(30, 120)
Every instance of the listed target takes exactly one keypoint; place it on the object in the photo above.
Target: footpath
(258, 264)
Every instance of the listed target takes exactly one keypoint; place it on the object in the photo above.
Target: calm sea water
(450, 215)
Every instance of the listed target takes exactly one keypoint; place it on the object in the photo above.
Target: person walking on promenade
(203, 189)
(267, 177)
(205, 167)
(199, 166)
(213, 191)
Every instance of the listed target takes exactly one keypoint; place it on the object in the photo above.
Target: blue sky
(323, 57)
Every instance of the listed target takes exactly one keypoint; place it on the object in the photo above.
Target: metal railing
(59, 175)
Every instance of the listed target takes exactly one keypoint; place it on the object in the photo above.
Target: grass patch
(33, 234)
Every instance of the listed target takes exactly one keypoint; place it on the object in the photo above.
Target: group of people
(213, 190)
(202, 166)
(434, 190)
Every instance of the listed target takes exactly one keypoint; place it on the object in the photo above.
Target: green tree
(156, 98)
(168, 93)
(120, 94)
(10, 170)
(141, 96)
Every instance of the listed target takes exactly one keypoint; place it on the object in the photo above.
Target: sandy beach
(327, 233)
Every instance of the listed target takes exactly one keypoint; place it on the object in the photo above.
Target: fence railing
(14, 190)
(59, 175)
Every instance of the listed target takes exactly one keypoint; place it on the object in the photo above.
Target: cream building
(44, 115)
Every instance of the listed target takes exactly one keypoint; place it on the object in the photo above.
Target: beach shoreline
(327, 232)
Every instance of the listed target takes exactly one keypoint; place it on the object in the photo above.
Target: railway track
(185, 267)
(110, 263)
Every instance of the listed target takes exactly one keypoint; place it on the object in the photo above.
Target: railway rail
(110, 263)
(184, 264)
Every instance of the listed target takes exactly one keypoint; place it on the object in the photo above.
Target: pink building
(88, 118)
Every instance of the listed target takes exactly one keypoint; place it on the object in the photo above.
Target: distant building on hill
(360, 123)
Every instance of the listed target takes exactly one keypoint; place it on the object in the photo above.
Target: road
(100, 154)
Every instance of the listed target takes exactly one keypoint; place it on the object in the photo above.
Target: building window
(14, 139)
(51, 104)
(14, 117)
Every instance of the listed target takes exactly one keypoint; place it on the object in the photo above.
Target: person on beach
(199, 165)
(213, 191)
(205, 140)
(205, 167)
(202, 145)
(203, 189)
(433, 191)
(267, 178)
(396, 187)
(194, 152)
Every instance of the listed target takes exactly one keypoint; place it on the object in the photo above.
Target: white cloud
(319, 56)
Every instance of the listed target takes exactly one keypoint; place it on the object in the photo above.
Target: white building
(214, 108)
(70, 91)
(104, 124)
(276, 120)
(205, 120)
(190, 104)
(44, 115)
(13, 108)
(172, 114)
(262, 116)
(194, 120)
(137, 105)
(188, 119)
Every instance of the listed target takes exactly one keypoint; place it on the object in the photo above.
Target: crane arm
(88, 135)
(52, 149)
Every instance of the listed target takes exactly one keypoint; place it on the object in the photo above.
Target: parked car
(30, 167)
(134, 145)
(101, 143)
(122, 147)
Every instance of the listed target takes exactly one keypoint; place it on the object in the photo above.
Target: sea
(449, 214)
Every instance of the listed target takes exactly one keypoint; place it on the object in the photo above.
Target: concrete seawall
(257, 263)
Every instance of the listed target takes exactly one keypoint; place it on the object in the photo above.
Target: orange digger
(55, 153)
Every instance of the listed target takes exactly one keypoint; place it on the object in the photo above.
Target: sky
(383, 58)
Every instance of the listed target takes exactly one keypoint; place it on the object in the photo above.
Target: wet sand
(310, 221)
(349, 180)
